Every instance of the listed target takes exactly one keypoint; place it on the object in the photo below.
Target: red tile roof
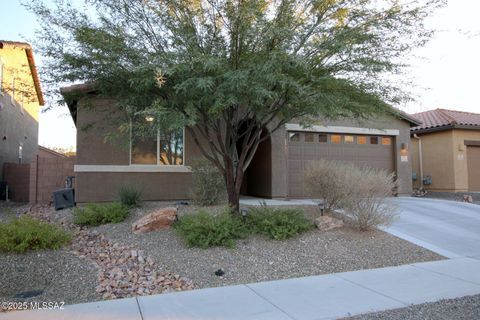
(445, 119)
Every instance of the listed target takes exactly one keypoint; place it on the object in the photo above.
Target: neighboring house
(159, 165)
(20, 100)
(450, 150)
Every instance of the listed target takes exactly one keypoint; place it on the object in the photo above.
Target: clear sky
(444, 74)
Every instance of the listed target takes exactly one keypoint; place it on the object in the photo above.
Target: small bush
(96, 214)
(129, 196)
(25, 233)
(367, 191)
(204, 230)
(278, 224)
(359, 191)
(208, 184)
(326, 180)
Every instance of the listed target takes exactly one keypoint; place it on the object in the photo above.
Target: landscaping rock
(325, 223)
(159, 219)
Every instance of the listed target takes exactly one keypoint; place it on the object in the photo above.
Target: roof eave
(71, 95)
(444, 128)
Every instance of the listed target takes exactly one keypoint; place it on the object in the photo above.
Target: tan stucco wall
(438, 160)
(15, 64)
(98, 118)
(460, 156)
(18, 125)
(445, 159)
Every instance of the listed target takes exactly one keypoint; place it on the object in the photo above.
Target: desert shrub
(326, 180)
(129, 196)
(365, 205)
(278, 224)
(208, 184)
(205, 230)
(96, 214)
(25, 233)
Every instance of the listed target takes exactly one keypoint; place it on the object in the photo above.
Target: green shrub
(205, 230)
(208, 184)
(96, 214)
(278, 224)
(25, 233)
(129, 196)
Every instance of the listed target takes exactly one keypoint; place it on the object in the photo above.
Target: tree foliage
(234, 68)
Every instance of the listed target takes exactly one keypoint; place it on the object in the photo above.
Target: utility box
(64, 198)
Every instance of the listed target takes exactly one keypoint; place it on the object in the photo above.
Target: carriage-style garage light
(404, 149)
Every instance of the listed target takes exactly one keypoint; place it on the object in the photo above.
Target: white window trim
(158, 152)
(345, 130)
(132, 168)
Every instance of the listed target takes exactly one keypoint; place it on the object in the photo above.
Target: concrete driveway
(449, 228)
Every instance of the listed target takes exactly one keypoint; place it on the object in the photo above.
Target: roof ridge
(451, 119)
(459, 111)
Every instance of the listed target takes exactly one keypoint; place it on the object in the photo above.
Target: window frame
(159, 164)
(336, 134)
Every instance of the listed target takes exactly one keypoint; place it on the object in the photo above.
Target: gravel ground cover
(110, 261)
(465, 308)
(53, 275)
(258, 259)
(454, 196)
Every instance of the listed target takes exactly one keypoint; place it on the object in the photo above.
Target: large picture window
(151, 145)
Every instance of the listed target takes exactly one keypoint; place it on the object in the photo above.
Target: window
(336, 138)
(309, 137)
(294, 136)
(386, 141)
(361, 140)
(373, 140)
(322, 138)
(349, 139)
(152, 146)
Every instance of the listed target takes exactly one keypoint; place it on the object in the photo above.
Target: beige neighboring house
(446, 147)
(20, 100)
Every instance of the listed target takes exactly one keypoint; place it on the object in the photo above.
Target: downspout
(420, 158)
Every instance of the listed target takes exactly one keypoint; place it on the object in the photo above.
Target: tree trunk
(233, 183)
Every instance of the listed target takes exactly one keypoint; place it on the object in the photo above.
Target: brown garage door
(473, 159)
(362, 150)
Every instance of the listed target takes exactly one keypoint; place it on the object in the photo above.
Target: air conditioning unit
(64, 198)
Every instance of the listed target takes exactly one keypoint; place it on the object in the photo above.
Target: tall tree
(231, 70)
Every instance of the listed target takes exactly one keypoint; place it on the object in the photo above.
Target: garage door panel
(301, 154)
(473, 164)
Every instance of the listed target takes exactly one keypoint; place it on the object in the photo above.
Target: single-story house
(105, 163)
(446, 150)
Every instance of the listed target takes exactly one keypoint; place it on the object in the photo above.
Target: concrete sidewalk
(319, 297)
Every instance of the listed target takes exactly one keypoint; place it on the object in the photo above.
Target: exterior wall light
(321, 206)
(149, 118)
(244, 213)
(404, 149)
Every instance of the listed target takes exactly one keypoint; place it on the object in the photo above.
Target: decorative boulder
(325, 223)
(159, 219)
